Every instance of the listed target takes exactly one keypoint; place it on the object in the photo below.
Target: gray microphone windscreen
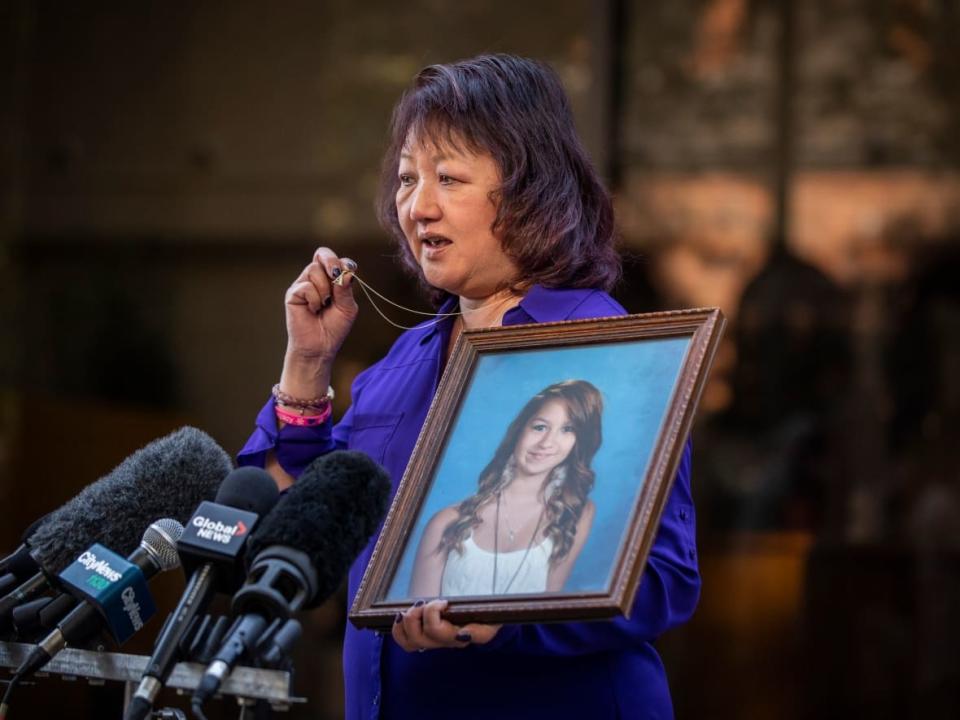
(167, 478)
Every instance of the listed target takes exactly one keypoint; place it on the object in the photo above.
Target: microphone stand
(245, 683)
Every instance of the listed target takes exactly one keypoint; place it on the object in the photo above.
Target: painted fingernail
(335, 273)
(418, 603)
(464, 636)
(351, 265)
(327, 300)
(397, 618)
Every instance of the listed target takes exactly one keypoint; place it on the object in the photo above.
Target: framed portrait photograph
(536, 486)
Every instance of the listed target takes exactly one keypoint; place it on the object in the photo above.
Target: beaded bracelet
(312, 404)
(303, 420)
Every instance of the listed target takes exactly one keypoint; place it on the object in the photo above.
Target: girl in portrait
(522, 531)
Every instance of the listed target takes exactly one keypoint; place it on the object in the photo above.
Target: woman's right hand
(319, 316)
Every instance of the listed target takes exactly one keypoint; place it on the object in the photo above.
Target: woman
(524, 528)
(498, 212)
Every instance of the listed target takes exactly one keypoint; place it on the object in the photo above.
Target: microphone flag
(114, 586)
(216, 533)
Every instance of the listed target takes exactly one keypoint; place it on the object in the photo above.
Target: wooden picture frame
(649, 371)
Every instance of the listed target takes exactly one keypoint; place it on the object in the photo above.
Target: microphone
(17, 567)
(203, 649)
(211, 552)
(112, 591)
(273, 651)
(164, 479)
(41, 614)
(301, 552)
(19, 564)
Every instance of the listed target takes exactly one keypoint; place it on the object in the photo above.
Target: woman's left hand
(422, 628)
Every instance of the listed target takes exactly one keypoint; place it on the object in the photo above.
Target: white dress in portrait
(471, 572)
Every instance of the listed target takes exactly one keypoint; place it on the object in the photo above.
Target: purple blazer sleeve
(667, 596)
(295, 447)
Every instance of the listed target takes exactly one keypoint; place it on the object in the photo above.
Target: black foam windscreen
(248, 488)
(329, 514)
(167, 478)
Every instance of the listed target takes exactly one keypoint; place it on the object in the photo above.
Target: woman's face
(546, 440)
(446, 212)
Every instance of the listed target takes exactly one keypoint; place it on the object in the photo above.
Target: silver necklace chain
(496, 547)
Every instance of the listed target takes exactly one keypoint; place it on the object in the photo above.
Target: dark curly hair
(563, 509)
(553, 213)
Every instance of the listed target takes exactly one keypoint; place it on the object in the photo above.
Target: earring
(558, 476)
(506, 477)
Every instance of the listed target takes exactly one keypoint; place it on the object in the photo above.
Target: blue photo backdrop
(636, 379)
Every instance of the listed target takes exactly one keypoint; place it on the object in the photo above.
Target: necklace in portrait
(511, 533)
(496, 546)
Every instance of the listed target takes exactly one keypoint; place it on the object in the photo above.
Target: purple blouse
(600, 669)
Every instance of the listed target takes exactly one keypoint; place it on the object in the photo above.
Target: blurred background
(167, 168)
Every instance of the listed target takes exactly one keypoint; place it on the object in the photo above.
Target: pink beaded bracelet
(291, 418)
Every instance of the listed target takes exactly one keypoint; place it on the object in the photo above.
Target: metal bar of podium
(243, 682)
